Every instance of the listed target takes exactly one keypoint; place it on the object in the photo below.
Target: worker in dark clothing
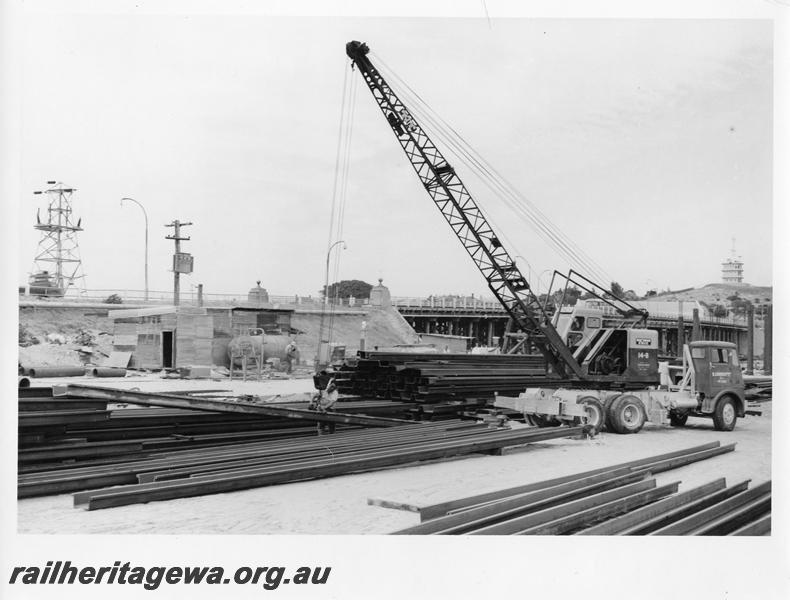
(323, 401)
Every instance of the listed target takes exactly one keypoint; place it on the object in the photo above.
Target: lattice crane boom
(467, 221)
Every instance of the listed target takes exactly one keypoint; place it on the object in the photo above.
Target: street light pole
(145, 214)
(326, 298)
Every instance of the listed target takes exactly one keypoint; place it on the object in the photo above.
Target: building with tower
(732, 267)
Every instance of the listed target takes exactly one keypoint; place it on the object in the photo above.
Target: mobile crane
(606, 367)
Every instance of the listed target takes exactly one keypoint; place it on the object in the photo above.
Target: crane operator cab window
(577, 332)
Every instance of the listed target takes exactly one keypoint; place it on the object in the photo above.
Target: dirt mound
(49, 355)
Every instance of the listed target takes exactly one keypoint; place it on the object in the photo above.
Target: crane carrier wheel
(627, 414)
(596, 416)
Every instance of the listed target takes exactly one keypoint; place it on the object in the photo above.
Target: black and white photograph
(310, 296)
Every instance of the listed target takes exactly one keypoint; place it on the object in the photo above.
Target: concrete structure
(177, 336)
(380, 296)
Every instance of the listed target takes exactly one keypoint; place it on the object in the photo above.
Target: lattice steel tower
(57, 264)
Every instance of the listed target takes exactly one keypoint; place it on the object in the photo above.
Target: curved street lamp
(145, 214)
(540, 279)
(529, 267)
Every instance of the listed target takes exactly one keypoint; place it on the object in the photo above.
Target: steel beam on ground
(442, 508)
(635, 517)
(192, 403)
(737, 517)
(699, 519)
(513, 506)
(676, 514)
(679, 461)
(761, 526)
(528, 521)
(584, 518)
(199, 486)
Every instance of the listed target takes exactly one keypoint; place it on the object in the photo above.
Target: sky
(648, 142)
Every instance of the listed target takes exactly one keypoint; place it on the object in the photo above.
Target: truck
(600, 353)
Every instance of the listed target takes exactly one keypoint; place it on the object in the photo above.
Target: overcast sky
(648, 142)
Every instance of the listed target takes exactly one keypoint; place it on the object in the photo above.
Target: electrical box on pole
(182, 261)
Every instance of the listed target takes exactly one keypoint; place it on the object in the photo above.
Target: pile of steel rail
(101, 456)
(759, 388)
(434, 377)
(623, 499)
(78, 423)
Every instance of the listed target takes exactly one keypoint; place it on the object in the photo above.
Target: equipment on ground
(606, 363)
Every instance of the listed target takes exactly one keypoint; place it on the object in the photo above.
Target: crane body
(607, 368)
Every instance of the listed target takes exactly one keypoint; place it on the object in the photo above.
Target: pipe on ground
(107, 372)
(56, 371)
(24, 382)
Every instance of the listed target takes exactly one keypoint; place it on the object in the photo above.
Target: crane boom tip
(356, 49)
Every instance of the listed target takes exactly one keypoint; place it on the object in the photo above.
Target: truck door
(702, 369)
(720, 370)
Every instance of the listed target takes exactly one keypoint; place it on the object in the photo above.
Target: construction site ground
(339, 505)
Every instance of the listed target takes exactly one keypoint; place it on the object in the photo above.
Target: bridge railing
(445, 302)
(190, 298)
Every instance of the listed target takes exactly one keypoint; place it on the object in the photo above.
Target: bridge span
(484, 321)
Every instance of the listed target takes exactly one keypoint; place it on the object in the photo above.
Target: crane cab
(607, 346)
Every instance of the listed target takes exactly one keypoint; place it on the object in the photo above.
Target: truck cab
(718, 379)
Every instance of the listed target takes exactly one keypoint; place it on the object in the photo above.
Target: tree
(617, 289)
(113, 299)
(651, 293)
(348, 287)
(719, 311)
(740, 306)
(571, 296)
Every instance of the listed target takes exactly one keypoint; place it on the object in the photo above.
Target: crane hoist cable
(505, 191)
(338, 206)
(464, 151)
(342, 204)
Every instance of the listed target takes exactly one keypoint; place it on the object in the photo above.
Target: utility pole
(182, 262)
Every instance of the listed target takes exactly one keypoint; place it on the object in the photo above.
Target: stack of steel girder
(76, 427)
(436, 377)
(177, 474)
(623, 499)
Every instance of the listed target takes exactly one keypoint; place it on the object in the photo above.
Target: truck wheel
(627, 414)
(596, 416)
(725, 415)
(678, 419)
(607, 411)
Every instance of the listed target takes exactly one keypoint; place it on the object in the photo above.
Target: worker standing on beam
(323, 401)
